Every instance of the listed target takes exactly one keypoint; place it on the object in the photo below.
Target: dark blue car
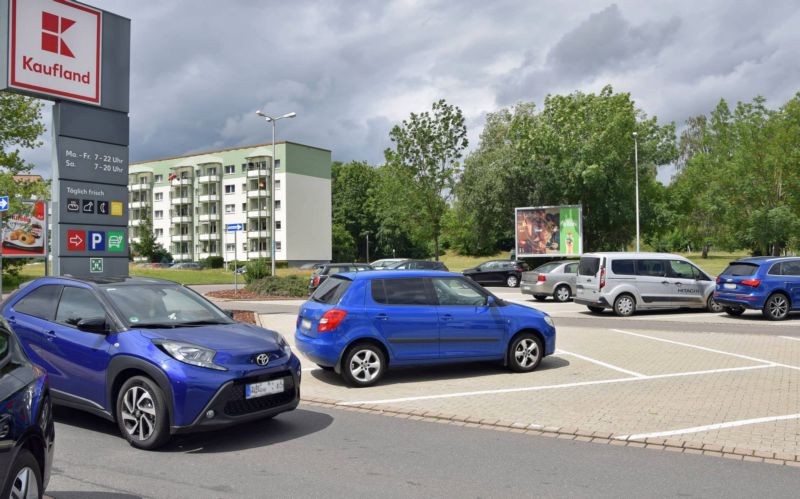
(769, 284)
(152, 355)
(26, 422)
(358, 324)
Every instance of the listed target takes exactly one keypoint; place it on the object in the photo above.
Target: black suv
(324, 270)
(418, 265)
(26, 421)
(503, 272)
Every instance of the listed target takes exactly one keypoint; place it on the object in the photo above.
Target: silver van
(627, 282)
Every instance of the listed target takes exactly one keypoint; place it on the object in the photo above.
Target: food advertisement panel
(548, 231)
(24, 231)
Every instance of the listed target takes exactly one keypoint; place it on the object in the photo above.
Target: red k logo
(52, 28)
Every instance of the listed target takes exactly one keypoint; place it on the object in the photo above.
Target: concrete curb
(671, 445)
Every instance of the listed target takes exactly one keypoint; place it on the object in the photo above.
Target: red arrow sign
(76, 240)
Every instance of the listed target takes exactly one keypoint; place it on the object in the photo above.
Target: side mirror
(490, 301)
(229, 313)
(93, 325)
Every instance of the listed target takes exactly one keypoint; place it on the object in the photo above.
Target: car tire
(625, 305)
(27, 477)
(363, 365)
(562, 293)
(512, 281)
(777, 307)
(595, 310)
(734, 311)
(142, 413)
(540, 297)
(712, 305)
(525, 353)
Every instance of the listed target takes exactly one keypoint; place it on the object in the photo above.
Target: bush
(214, 262)
(257, 269)
(292, 286)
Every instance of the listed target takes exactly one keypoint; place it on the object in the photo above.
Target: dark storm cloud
(353, 69)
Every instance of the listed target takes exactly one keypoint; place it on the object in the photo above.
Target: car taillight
(316, 281)
(298, 321)
(602, 277)
(330, 320)
(541, 278)
(751, 282)
(719, 279)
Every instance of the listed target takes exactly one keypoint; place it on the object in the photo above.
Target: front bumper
(231, 407)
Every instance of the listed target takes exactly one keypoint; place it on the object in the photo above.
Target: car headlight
(549, 320)
(190, 354)
(284, 345)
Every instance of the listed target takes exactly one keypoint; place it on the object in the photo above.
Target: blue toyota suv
(769, 284)
(152, 355)
(358, 324)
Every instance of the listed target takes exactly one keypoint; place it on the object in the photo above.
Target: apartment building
(191, 199)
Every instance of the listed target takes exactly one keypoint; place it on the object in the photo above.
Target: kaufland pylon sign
(61, 55)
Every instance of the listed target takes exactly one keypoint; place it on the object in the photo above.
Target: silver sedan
(556, 279)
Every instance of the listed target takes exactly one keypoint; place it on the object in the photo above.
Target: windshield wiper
(155, 325)
(203, 323)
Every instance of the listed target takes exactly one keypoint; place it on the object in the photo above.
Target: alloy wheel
(365, 365)
(512, 281)
(526, 353)
(138, 413)
(25, 485)
(777, 306)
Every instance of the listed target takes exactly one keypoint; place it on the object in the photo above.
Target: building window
(159, 178)
(244, 167)
(159, 232)
(277, 245)
(230, 169)
(230, 247)
(211, 171)
(158, 215)
(244, 206)
(230, 189)
(277, 184)
(230, 208)
(244, 247)
(244, 187)
(277, 204)
(277, 164)
(159, 196)
(278, 225)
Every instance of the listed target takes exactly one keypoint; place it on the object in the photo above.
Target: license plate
(526, 288)
(305, 324)
(729, 285)
(264, 388)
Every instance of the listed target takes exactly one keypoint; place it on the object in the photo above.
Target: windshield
(163, 305)
(331, 291)
(740, 269)
(547, 267)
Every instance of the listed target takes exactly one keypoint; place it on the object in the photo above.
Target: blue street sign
(3, 203)
(230, 227)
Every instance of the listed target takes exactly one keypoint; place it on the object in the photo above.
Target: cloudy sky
(352, 69)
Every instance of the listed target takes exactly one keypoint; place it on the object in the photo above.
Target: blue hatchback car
(769, 284)
(358, 324)
(152, 355)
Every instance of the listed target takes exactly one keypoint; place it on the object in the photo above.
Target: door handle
(12, 320)
(447, 317)
(664, 282)
(51, 335)
(382, 317)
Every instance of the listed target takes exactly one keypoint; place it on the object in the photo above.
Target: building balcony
(208, 179)
(205, 254)
(138, 204)
(258, 234)
(209, 237)
(208, 217)
(181, 237)
(140, 187)
(181, 219)
(181, 181)
(182, 256)
(258, 254)
(134, 222)
(209, 198)
(258, 213)
(181, 200)
(259, 194)
(255, 173)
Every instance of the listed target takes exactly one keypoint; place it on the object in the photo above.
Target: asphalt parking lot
(706, 381)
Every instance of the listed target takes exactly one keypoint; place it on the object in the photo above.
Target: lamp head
(635, 135)
(289, 115)
(261, 114)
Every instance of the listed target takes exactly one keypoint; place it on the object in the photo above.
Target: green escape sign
(95, 265)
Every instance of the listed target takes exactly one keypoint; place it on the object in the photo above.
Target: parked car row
(322, 271)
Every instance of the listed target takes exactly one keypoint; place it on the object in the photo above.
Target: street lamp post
(636, 167)
(270, 119)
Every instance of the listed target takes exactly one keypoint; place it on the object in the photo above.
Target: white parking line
(716, 426)
(789, 338)
(601, 363)
(553, 387)
(706, 349)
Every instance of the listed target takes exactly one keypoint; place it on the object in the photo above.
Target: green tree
(352, 185)
(147, 246)
(426, 151)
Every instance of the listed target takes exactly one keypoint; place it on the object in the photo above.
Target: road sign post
(235, 228)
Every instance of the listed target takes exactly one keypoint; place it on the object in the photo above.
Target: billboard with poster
(24, 231)
(548, 231)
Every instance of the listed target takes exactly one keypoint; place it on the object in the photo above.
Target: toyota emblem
(262, 359)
